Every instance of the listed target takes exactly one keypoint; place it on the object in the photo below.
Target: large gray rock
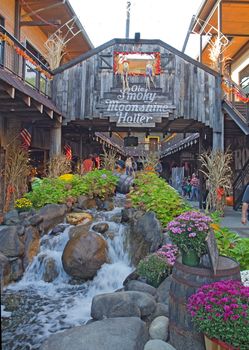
(145, 236)
(124, 333)
(163, 290)
(122, 303)
(138, 286)
(32, 245)
(157, 344)
(16, 269)
(4, 269)
(161, 310)
(10, 243)
(159, 328)
(101, 227)
(50, 270)
(84, 254)
(11, 217)
(51, 214)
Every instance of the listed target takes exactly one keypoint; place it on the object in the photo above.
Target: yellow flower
(216, 227)
(66, 177)
(23, 203)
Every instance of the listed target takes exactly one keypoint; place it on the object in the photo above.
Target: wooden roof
(60, 11)
(235, 25)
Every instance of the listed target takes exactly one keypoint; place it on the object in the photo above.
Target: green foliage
(98, 183)
(232, 245)
(154, 268)
(155, 194)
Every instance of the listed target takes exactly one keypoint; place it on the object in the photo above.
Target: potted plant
(189, 232)
(221, 311)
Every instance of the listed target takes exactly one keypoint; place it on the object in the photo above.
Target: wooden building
(26, 31)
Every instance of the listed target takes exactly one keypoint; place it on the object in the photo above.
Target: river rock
(4, 269)
(77, 230)
(101, 227)
(140, 287)
(159, 328)
(79, 218)
(58, 229)
(11, 217)
(84, 254)
(157, 344)
(145, 236)
(124, 333)
(161, 310)
(35, 220)
(163, 290)
(31, 245)
(50, 270)
(52, 214)
(114, 304)
(10, 244)
(16, 269)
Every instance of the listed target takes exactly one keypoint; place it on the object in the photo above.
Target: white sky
(167, 20)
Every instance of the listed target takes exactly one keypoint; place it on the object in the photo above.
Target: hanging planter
(215, 344)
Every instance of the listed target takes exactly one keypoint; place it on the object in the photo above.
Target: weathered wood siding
(193, 90)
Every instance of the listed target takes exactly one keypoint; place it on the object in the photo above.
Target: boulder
(101, 227)
(16, 269)
(4, 269)
(58, 229)
(157, 344)
(114, 304)
(108, 205)
(35, 220)
(161, 310)
(124, 333)
(31, 245)
(10, 244)
(11, 217)
(159, 328)
(140, 287)
(51, 214)
(79, 218)
(84, 254)
(77, 230)
(85, 202)
(50, 270)
(145, 236)
(163, 290)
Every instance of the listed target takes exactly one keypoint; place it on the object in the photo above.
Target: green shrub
(154, 268)
(98, 183)
(155, 194)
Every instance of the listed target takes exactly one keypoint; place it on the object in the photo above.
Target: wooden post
(55, 139)
(218, 122)
(200, 48)
(17, 33)
(200, 174)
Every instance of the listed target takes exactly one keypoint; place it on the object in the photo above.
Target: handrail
(23, 48)
(239, 185)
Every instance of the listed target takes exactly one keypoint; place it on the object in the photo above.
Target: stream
(33, 309)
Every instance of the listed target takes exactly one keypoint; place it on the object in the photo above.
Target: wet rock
(52, 214)
(58, 229)
(11, 217)
(10, 244)
(35, 220)
(16, 269)
(157, 344)
(108, 305)
(84, 254)
(132, 276)
(20, 230)
(109, 234)
(32, 245)
(161, 310)
(141, 287)
(145, 236)
(79, 218)
(50, 270)
(128, 214)
(159, 328)
(108, 205)
(163, 290)
(82, 202)
(101, 227)
(78, 230)
(4, 269)
(123, 333)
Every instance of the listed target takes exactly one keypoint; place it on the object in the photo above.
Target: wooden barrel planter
(185, 281)
(124, 184)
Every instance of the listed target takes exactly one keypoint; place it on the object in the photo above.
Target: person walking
(128, 167)
(195, 186)
(245, 206)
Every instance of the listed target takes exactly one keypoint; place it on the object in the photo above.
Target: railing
(239, 185)
(17, 59)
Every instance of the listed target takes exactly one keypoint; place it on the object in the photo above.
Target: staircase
(239, 185)
(243, 109)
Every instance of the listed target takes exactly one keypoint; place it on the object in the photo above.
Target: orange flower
(216, 227)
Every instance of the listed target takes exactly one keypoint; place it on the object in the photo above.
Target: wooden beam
(39, 107)
(56, 22)
(27, 100)
(11, 91)
(50, 113)
(42, 9)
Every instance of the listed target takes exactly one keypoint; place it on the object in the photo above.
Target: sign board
(213, 251)
(136, 107)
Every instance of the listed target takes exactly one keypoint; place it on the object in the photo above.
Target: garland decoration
(228, 87)
(22, 53)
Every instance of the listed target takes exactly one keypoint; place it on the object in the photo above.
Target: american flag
(26, 138)
(68, 152)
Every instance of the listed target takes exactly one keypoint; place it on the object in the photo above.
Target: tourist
(96, 161)
(128, 167)
(87, 164)
(158, 168)
(195, 187)
(245, 206)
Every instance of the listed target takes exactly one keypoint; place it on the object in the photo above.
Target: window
(1, 44)
(244, 79)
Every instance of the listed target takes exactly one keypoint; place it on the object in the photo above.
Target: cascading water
(40, 308)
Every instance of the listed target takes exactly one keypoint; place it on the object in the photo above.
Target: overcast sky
(167, 20)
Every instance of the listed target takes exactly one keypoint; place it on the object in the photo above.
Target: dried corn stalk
(108, 159)
(216, 166)
(55, 46)
(150, 161)
(58, 165)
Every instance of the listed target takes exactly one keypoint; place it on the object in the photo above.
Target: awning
(178, 146)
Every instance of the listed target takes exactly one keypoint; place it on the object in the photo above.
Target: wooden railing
(239, 185)
(17, 59)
